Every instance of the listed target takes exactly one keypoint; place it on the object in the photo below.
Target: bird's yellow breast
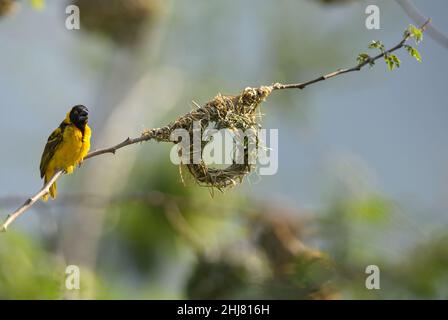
(74, 147)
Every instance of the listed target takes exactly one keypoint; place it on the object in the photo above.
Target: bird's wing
(54, 140)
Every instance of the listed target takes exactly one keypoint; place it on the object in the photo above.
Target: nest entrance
(223, 112)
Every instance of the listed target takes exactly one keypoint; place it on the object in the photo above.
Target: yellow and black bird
(66, 147)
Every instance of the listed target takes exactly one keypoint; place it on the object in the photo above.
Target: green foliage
(363, 58)
(413, 52)
(415, 33)
(392, 61)
(372, 209)
(27, 271)
(375, 44)
(217, 280)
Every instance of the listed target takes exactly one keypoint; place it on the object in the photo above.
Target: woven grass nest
(121, 21)
(223, 112)
(7, 7)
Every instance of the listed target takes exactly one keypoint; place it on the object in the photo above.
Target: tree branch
(125, 143)
(45, 189)
(411, 10)
(153, 133)
(29, 203)
(303, 85)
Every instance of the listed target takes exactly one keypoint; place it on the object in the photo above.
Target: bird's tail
(53, 190)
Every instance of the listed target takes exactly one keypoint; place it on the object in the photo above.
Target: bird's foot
(69, 170)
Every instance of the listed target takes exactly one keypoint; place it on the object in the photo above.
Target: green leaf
(395, 60)
(375, 44)
(362, 58)
(390, 63)
(414, 53)
(416, 33)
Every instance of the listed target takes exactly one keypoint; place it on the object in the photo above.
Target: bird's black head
(79, 116)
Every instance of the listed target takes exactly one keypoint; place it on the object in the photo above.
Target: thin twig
(148, 135)
(358, 67)
(412, 11)
(45, 189)
(28, 203)
(123, 144)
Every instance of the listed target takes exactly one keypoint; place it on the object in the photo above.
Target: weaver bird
(66, 147)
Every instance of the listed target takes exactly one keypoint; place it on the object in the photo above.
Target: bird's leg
(69, 169)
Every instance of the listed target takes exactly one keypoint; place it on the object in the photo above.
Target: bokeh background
(362, 179)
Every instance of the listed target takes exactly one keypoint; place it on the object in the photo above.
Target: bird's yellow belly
(71, 152)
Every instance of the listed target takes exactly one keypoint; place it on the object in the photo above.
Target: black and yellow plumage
(66, 147)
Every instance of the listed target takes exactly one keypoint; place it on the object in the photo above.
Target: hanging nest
(122, 21)
(223, 112)
(7, 7)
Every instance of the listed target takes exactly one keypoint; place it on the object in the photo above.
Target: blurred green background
(362, 176)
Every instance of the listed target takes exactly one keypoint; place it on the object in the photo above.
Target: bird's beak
(83, 116)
